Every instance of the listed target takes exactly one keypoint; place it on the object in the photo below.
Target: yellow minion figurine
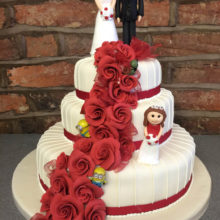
(83, 128)
(98, 177)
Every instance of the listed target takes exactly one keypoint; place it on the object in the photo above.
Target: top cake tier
(85, 73)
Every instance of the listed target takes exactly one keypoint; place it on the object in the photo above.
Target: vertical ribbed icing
(71, 107)
(137, 183)
(85, 73)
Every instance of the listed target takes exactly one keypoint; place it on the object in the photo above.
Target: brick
(166, 72)
(44, 46)
(28, 124)
(3, 78)
(13, 102)
(8, 49)
(151, 11)
(57, 74)
(181, 44)
(196, 72)
(45, 100)
(200, 125)
(2, 17)
(199, 13)
(57, 13)
(197, 100)
(37, 124)
(77, 44)
(5, 127)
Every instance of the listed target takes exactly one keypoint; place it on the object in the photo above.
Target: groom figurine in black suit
(128, 11)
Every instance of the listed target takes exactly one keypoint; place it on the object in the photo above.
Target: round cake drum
(27, 194)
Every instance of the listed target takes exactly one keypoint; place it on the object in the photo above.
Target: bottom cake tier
(138, 187)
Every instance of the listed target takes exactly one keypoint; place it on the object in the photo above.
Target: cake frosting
(137, 187)
(85, 73)
(137, 183)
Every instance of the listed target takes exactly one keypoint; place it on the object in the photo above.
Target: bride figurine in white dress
(105, 29)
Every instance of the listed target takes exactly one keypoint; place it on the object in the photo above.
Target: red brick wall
(40, 41)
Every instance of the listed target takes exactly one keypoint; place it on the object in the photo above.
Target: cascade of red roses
(108, 111)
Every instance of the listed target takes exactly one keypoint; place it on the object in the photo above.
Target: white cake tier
(71, 106)
(137, 183)
(85, 73)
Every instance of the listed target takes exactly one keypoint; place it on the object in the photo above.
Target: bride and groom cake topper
(127, 12)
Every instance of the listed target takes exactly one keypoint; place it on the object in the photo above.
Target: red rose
(115, 45)
(107, 49)
(46, 200)
(66, 208)
(59, 181)
(127, 83)
(103, 131)
(132, 100)
(84, 145)
(97, 90)
(62, 161)
(106, 153)
(142, 49)
(95, 210)
(126, 148)
(108, 70)
(80, 164)
(95, 111)
(39, 216)
(98, 55)
(119, 116)
(125, 53)
(116, 93)
(84, 191)
(101, 93)
(125, 66)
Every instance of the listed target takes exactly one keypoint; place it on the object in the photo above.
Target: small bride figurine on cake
(154, 118)
(105, 29)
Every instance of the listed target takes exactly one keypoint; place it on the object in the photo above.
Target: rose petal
(80, 164)
(119, 116)
(59, 182)
(84, 191)
(84, 145)
(95, 111)
(103, 131)
(66, 207)
(106, 153)
(95, 210)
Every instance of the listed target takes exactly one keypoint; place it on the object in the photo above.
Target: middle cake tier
(71, 107)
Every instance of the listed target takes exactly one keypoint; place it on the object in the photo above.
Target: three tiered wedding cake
(132, 187)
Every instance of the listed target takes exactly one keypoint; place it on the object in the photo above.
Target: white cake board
(27, 194)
